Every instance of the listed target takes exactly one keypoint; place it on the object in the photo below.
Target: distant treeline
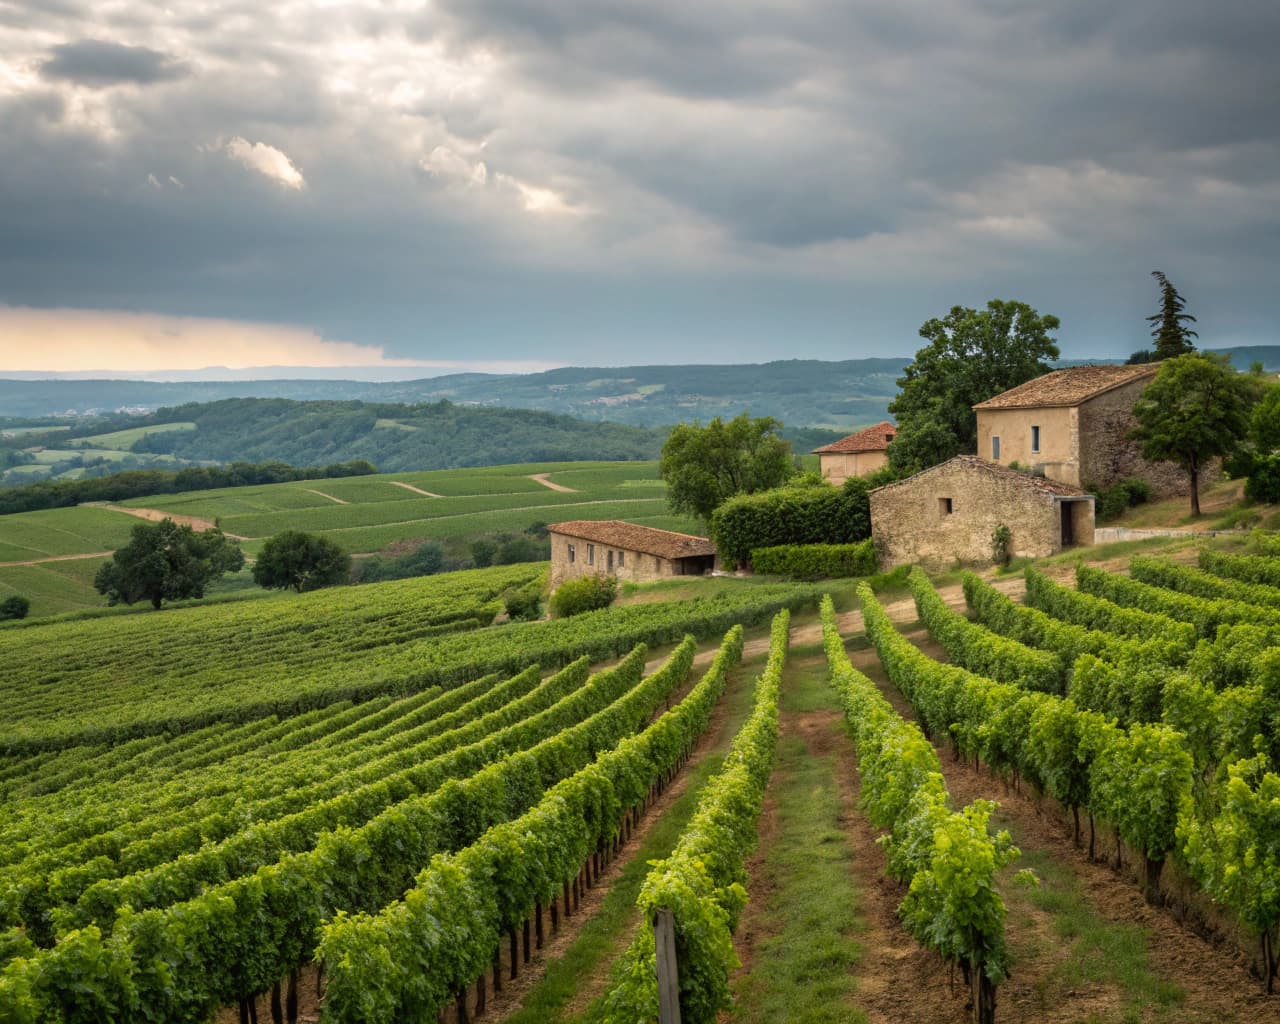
(136, 483)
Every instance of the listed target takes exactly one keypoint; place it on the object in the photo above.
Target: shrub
(1121, 495)
(805, 514)
(483, 552)
(301, 561)
(1263, 483)
(816, 561)
(1001, 545)
(515, 549)
(525, 603)
(584, 594)
(14, 608)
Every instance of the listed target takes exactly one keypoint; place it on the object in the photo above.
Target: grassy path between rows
(577, 972)
(1086, 946)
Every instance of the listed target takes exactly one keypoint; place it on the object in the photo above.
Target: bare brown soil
(546, 481)
(156, 515)
(416, 490)
(330, 497)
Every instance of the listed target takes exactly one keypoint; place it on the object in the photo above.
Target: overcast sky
(541, 182)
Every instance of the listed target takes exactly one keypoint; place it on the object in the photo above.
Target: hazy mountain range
(800, 392)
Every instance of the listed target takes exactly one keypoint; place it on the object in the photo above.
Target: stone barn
(947, 513)
(856, 455)
(1073, 425)
(625, 550)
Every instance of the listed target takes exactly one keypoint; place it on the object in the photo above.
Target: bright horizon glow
(102, 342)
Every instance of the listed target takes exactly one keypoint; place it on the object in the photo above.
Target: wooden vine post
(664, 936)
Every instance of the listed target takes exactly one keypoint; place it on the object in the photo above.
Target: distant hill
(801, 393)
(393, 437)
(834, 395)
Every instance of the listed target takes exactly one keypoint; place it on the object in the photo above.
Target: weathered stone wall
(1059, 453)
(909, 524)
(1082, 523)
(838, 468)
(635, 565)
(1108, 453)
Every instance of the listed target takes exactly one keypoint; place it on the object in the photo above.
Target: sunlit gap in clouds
(82, 341)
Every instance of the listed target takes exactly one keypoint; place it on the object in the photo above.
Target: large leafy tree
(704, 465)
(301, 561)
(1195, 410)
(972, 355)
(166, 562)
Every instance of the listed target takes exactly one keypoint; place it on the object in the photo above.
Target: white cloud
(443, 162)
(266, 160)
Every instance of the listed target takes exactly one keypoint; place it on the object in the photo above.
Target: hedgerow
(816, 561)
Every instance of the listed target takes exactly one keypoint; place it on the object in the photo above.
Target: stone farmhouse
(856, 455)
(625, 550)
(947, 513)
(1073, 425)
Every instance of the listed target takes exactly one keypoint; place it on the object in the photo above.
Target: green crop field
(124, 440)
(61, 531)
(364, 514)
(389, 784)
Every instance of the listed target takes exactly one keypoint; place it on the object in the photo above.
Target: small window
(591, 554)
(995, 447)
(610, 561)
(620, 562)
(944, 506)
(573, 554)
(1035, 439)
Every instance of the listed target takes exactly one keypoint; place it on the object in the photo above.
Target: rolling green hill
(364, 514)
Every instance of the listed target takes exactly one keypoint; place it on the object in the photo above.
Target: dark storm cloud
(733, 179)
(95, 62)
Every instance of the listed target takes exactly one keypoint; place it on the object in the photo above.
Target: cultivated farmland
(470, 819)
(364, 514)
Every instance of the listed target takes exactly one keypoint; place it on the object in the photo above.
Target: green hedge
(800, 514)
(816, 561)
(584, 594)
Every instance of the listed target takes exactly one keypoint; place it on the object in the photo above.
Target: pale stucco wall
(909, 526)
(635, 565)
(838, 468)
(1059, 454)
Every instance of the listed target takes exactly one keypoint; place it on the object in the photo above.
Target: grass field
(124, 440)
(364, 514)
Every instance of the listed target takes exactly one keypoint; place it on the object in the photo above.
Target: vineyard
(370, 805)
(51, 556)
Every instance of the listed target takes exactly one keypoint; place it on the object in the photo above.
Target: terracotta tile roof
(633, 537)
(873, 439)
(977, 464)
(1066, 387)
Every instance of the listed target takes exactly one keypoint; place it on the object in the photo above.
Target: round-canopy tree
(705, 465)
(972, 355)
(1196, 409)
(166, 562)
(303, 561)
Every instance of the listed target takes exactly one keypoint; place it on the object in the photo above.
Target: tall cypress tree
(1172, 336)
